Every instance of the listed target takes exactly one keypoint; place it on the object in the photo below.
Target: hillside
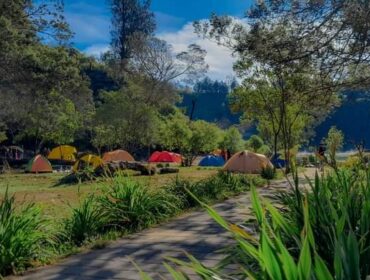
(351, 117)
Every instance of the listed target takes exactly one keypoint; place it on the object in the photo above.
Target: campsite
(161, 139)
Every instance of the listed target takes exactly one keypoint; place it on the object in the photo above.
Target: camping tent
(212, 160)
(92, 161)
(39, 164)
(63, 153)
(277, 161)
(217, 152)
(118, 155)
(165, 157)
(247, 162)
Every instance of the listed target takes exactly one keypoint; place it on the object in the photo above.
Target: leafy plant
(214, 188)
(268, 173)
(338, 205)
(322, 234)
(22, 232)
(129, 204)
(85, 222)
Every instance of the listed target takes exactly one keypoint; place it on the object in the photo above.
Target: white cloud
(89, 22)
(219, 58)
(96, 50)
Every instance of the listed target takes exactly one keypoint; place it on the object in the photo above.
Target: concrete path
(194, 232)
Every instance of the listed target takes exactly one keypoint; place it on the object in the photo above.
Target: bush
(338, 205)
(85, 222)
(352, 162)
(214, 188)
(312, 159)
(131, 205)
(268, 173)
(22, 232)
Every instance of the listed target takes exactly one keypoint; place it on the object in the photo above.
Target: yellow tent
(63, 152)
(88, 160)
(247, 162)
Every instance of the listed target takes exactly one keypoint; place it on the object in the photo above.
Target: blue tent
(277, 161)
(212, 160)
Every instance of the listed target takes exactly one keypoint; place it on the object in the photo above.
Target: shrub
(268, 173)
(22, 231)
(85, 222)
(312, 159)
(214, 188)
(129, 204)
(339, 204)
(352, 162)
(180, 189)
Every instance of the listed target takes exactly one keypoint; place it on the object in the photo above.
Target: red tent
(39, 164)
(165, 157)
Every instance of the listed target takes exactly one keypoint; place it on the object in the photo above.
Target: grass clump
(22, 234)
(217, 187)
(131, 205)
(86, 221)
(268, 173)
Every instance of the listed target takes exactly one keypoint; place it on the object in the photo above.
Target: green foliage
(265, 150)
(130, 205)
(312, 159)
(334, 142)
(338, 205)
(257, 145)
(211, 189)
(321, 234)
(254, 143)
(117, 119)
(22, 234)
(268, 173)
(353, 162)
(232, 140)
(85, 222)
(177, 132)
(130, 19)
(205, 137)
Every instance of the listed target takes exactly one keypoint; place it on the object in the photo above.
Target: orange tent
(39, 164)
(247, 162)
(118, 155)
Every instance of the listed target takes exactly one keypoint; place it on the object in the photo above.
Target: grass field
(56, 200)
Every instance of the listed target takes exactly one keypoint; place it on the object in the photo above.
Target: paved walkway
(194, 232)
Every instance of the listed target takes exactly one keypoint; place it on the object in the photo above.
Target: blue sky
(90, 21)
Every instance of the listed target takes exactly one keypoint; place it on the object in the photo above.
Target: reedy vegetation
(125, 206)
(318, 233)
(22, 234)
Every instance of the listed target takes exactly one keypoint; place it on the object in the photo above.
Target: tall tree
(22, 24)
(40, 85)
(132, 23)
(232, 140)
(127, 118)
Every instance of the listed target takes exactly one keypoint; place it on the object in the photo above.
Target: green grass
(43, 189)
(22, 233)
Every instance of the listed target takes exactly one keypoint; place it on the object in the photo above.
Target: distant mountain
(352, 117)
